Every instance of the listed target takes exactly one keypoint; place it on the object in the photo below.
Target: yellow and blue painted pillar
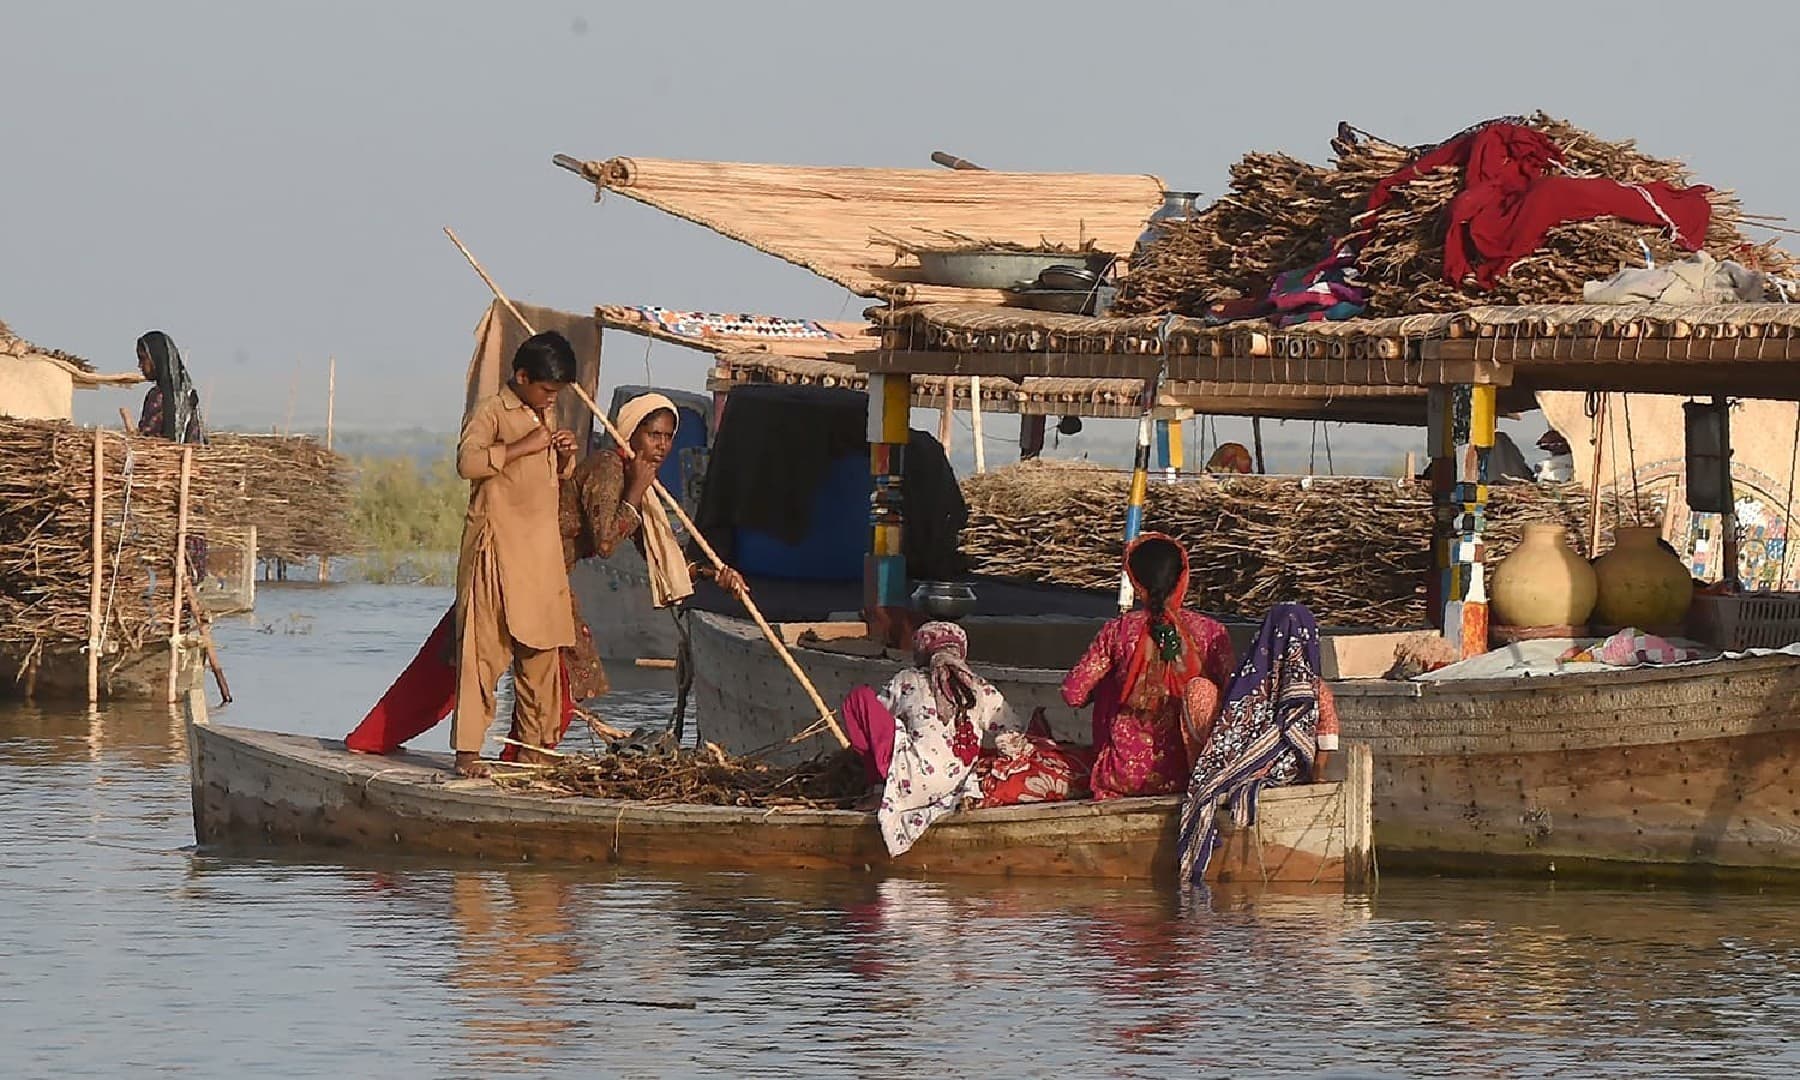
(1461, 431)
(1168, 448)
(886, 601)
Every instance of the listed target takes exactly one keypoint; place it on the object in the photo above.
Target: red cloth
(1044, 772)
(1503, 227)
(1510, 200)
(870, 728)
(423, 696)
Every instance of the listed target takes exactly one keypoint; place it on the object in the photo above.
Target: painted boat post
(884, 569)
(1461, 430)
(1140, 468)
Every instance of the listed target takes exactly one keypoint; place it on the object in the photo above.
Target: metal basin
(990, 269)
(947, 600)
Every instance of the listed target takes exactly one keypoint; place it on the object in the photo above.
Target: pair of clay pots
(1638, 583)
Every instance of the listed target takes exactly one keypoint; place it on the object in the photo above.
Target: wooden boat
(1688, 770)
(269, 788)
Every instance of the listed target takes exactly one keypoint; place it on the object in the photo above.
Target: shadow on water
(126, 950)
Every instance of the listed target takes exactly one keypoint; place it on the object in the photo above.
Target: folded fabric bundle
(1631, 647)
(1699, 279)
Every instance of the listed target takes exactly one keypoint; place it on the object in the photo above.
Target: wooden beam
(1340, 371)
(1532, 352)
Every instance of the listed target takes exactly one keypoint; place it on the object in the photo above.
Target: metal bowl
(947, 600)
(989, 269)
(1063, 276)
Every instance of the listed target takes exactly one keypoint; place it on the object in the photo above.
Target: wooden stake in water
(181, 569)
(99, 557)
(330, 417)
(674, 505)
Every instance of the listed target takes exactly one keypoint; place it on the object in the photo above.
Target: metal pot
(989, 269)
(1177, 206)
(946, 600)
(1078, 278)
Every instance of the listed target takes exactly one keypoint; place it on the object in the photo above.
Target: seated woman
(921, 735)
(1278, 726)
(1137, 673)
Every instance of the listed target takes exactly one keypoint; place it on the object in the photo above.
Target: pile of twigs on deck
(1356, 551)
(707, 776)
(1282, 214)
(294, 492)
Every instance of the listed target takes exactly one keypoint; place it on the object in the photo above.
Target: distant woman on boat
(172, 411)
(1278, 726)
(921, 734)
(1137, 674)
(172, 405)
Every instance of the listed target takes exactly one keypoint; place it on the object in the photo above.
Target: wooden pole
(1256, 438)
(125, 420)
(94, 575)
(181, 529)
(947, 414)
(1599, 435)
(674, 506)
(330, 418)
(975, 424)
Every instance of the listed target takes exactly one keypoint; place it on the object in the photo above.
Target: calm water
(124, 952)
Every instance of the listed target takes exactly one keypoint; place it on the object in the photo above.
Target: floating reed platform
(294, 491)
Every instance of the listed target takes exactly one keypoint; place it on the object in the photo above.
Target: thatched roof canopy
(835, 221)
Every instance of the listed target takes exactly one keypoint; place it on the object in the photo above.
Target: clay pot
(1543, 582)
(1641, 583)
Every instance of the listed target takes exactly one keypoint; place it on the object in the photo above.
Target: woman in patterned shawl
(1137, 673)
(920, 736)
(172, 411)
(1278, 725)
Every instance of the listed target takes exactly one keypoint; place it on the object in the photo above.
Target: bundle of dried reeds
(1282, 213)
(1356, 551)
(707, 776)
(293, 491)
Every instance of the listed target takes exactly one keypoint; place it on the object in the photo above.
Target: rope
(1330, 465)
(112, 586)
(1612, 435)
(1674, 231)
(1631, 458)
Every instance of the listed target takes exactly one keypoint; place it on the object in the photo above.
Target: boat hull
(1688, 771)
(266, 788)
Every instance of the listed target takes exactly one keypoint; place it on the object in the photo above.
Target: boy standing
(512, 594)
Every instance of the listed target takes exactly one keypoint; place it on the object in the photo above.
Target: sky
(267, 182)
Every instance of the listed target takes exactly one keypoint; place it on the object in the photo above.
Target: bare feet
(470, 766)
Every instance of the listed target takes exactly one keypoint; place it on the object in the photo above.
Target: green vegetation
(408, 518)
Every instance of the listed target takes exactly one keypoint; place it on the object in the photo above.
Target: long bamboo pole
(181, 531)
(975, 424)
(674, 505)
(94, 576)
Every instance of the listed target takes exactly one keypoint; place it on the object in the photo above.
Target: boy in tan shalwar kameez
(512, 594)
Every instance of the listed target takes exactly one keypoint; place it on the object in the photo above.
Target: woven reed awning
(1741, 350)
(1102, 399)
(81, 373)
(833, 221)
(842, 338)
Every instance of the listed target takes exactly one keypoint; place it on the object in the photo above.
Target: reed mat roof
(849, 337)
(1356, 551)
(837, 222)
(15, 346)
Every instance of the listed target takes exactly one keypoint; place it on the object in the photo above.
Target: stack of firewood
(1281, 213)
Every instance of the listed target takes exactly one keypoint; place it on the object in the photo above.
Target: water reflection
(125, 952)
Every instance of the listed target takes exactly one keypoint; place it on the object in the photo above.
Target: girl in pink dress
(1136, 674)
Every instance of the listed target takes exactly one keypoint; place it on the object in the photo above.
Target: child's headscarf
(1163, 659)
(943, 650)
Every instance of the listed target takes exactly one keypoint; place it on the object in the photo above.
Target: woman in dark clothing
(172, 406)
(172, 411)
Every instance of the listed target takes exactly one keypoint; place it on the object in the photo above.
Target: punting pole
(94, 584)
(181, 531)
(674, 505)
(1140, 475)
(1256, 437)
